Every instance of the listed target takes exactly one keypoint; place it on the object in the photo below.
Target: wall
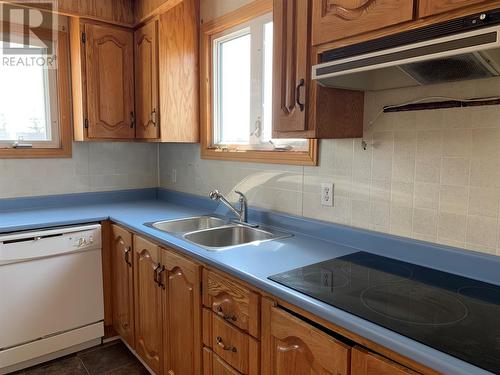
(430, 175)
(95, 166)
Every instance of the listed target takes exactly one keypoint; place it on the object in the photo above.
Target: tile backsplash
(95, 166)
(430, 175)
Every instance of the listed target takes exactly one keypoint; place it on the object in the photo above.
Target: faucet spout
(242, 213)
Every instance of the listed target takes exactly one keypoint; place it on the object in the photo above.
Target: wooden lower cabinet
(181, 315)
(293, 347)
(148, 303)
(157, 310)
(122, 283)
(367, 363)
(432, 7)
(214, 365)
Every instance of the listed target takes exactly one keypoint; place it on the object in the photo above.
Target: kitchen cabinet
(337, 19)
(148, 302)
(122, 263)
(146, 81)
(214, 365)
(179, 77)
(431, 7)
(181, 314)
(293, 347)
(302, 108)
(366, 363)
(238, 330)
(102, 81)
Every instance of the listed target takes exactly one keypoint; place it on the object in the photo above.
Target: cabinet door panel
(366, 363)
(110, 81)
(291, 64)
(148, 324)
(146, 81)
(122, 283)
(182, 315)
(337, 19)
(297, 348)
(431, 7)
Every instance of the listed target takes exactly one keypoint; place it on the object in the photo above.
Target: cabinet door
(122, 286)
(430, 7)
(337, 19)
(148, 323)
(213, 365)
(294, 347)
(146, 81)
(366, 363)
(181, 315)
(291, 64)
(110, 82)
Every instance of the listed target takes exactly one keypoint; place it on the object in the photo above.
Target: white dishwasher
(51, 294)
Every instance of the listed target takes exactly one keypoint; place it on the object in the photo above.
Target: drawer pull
(223, 346)
(231, 318)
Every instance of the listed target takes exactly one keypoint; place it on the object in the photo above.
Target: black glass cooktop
(450, 313)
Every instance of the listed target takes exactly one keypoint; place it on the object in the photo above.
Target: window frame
(59, 77)
(209, 32)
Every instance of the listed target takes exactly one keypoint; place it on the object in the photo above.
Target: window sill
(36, 153)
(273, 157)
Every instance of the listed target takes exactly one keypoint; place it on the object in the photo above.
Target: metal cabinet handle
(220, 312)
(159, 271)
(132, 120)
(220, 342)
(127, 256)
(153, 116)
(301, 84)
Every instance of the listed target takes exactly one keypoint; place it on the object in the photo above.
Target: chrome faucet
(242, 213)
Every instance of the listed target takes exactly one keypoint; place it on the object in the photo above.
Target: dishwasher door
(50, 283)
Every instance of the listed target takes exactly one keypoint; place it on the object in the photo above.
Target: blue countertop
(313, 242)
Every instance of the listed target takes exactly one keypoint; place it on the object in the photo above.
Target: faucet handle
(214, 194)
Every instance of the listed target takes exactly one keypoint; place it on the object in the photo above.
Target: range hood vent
(461, 56)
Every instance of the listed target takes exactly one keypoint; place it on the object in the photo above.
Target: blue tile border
(65, 200)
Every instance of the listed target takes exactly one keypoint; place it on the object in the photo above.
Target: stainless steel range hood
(462, 56)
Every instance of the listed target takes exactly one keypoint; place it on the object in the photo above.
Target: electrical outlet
(327, 194)
(173, 176)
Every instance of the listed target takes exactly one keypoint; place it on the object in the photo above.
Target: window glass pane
(268, 83)
(24, 109)
(234, 90)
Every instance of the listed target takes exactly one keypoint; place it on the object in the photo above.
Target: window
(34, 117)
(237, 102)
(28, 108)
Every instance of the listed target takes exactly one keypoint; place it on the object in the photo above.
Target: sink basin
(188, 225)
(230, 236)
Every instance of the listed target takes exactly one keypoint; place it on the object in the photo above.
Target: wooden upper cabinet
(181, 315)
(291, 65)
(148, 306)
(110, 82)
(179, 73)
(122, 283)
(146, 81)
(293, 347)
(102, 75)
(431, 7)
(367, 363)
(337, 19)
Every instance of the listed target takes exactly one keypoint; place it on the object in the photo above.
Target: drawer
(214, 365)
(232, 301)
(235, 347)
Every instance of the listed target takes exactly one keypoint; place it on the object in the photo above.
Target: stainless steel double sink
(215, 233)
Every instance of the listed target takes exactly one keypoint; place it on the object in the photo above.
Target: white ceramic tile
(484, 202)
(425, 222)
(452, 227)
(454, 199)
(426, 195)
(482, 231)
(455, 171)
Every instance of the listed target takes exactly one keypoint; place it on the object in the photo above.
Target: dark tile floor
(108, 359)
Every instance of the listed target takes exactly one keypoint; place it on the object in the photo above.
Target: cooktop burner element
(450, 313)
